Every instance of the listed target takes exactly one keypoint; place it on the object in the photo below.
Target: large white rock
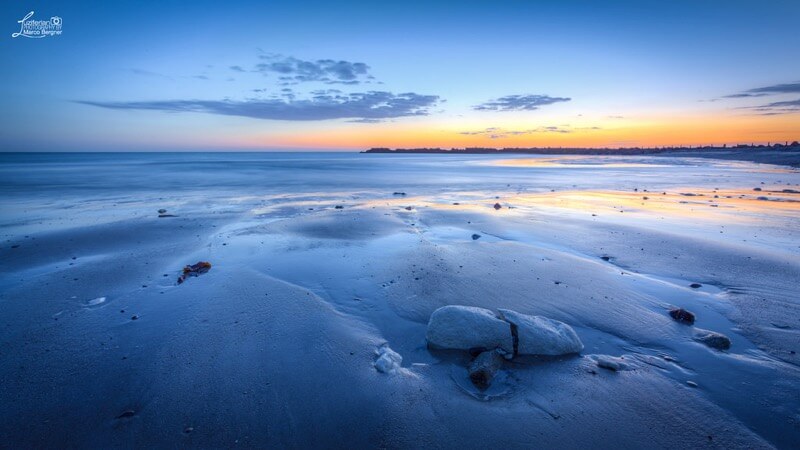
(542, 336)
(466, 327)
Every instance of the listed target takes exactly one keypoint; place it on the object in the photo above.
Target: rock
(162, 211)
(338, 207)
(682, 315)
(757, 189)
(127, 414)
(399, 193)
(468, 327)
(497, 206)
(475, 237)
(712, 339)
(408, 208)
(388, 360)
(605, 258)
(484, 367)
(695, 285)
(611, 363)
(194, 270)
(537, 335)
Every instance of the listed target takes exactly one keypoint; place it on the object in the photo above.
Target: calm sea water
(97, 174)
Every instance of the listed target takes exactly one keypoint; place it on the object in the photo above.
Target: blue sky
(208, 75)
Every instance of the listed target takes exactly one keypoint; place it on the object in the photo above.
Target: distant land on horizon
(793, 146)
(782, 154)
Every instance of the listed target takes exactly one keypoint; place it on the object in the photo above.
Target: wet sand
(275, 345)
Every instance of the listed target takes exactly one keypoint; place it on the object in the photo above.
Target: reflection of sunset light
(684, 203)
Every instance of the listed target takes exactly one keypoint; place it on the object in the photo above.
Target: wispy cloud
(500, 133)
(519, 103)
(147, 73)
(775, 89)
(775, 108)
(322, 105)
(291, 70)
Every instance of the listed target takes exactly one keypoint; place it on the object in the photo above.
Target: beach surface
(320, 261)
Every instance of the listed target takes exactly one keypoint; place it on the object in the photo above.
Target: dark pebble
(682, 315)
(127, 414)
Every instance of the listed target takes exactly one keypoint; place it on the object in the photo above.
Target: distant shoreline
(779, 154)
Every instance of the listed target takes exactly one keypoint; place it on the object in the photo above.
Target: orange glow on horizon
(648, 132)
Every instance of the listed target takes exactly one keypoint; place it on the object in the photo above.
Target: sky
(262, 75)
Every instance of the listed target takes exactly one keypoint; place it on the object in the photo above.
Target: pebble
(682, 315)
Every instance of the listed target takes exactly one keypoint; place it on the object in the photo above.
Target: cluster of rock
(710, 338)
(495, 337)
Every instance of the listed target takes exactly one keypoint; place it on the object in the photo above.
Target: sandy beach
(319, 261)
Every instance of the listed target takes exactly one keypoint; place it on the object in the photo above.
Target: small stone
(127, 414)
(695, 285)
(757, 189)
(682, 315)
(605, 258)
(497, 206)
(388, 360)
(484, 367)
(134, 317)
(408, 208)
(610, 363)
(338, 207)
(399, 193)
(162, 211)
(475, 237)
(712, 339)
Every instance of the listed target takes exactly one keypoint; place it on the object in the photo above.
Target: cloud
(322, 105)
(786, 88)
(783, 107)
(293, 70)
(500, 133)
(775, 108)
(744, 95)
(775, 89)
(147, 73)
(519, 103)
